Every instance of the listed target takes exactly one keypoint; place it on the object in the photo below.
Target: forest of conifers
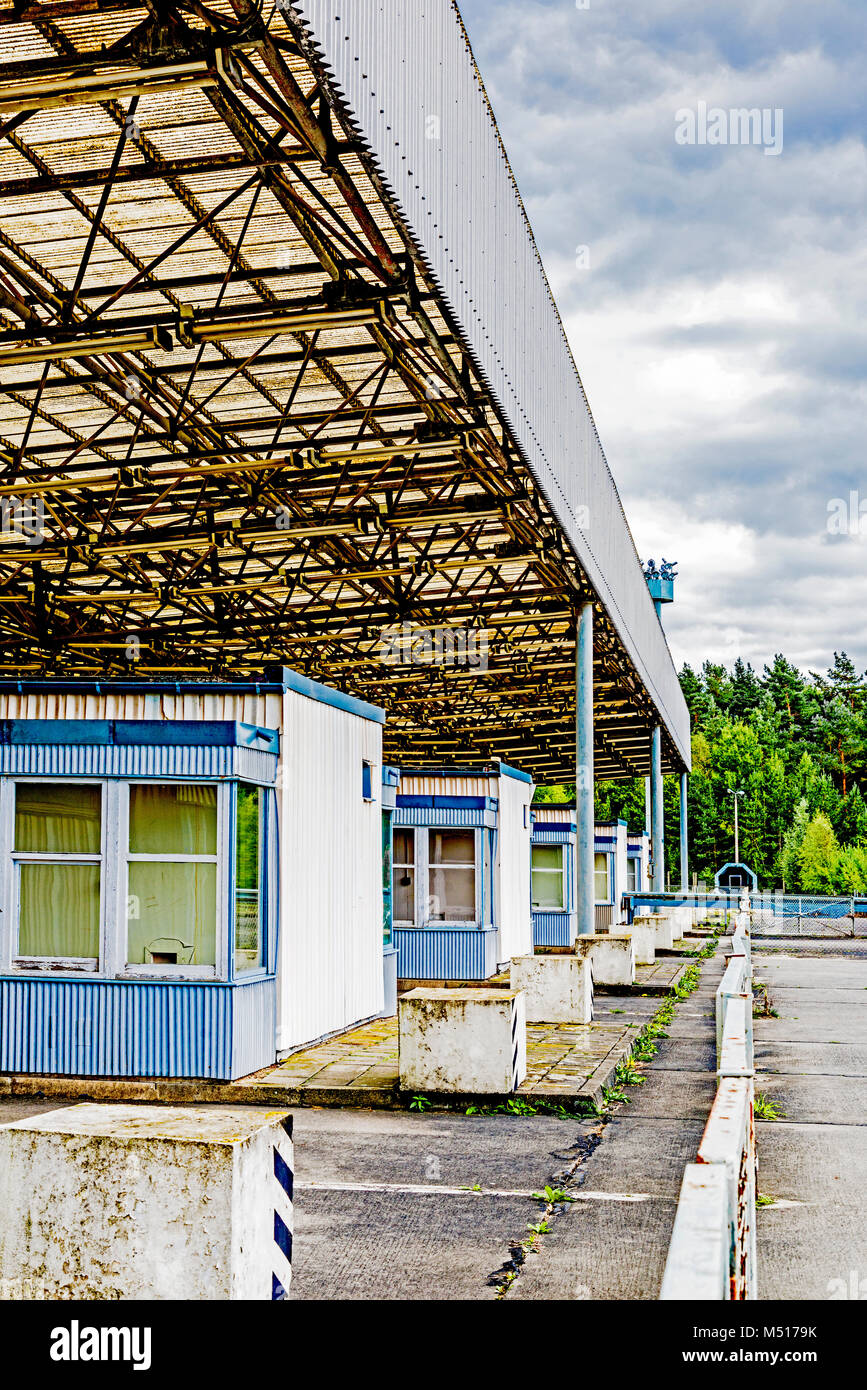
(796, 746)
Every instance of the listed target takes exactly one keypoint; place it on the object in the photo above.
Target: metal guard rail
(712, 1254)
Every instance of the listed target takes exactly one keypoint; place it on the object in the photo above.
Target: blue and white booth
(552, 879)
(461, 872)
(190, 874)
(637, 862)
(555, 919)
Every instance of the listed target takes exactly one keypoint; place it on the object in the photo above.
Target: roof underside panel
(407, 72)
(282, 384)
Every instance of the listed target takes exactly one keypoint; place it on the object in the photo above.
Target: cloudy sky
(719, 325)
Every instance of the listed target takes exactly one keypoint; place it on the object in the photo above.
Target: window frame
(561, 873)
(633, 864)
(225, 885)
(412, 833)
(439, 923)
(10, 958)
(258, 972)
(609, 869)
(114, 859)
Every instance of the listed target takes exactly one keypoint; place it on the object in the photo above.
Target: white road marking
(413, 1189)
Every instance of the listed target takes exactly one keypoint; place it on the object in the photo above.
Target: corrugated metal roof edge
(610, 604)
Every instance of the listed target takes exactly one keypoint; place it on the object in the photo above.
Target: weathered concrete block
(643, 935)
(558, 989)
(663, 929)
(463, 1041)
(613, 959)
(147, 1202)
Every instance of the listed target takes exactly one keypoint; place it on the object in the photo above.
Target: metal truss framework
(237, 429)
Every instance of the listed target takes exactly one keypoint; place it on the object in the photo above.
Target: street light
(736, 793)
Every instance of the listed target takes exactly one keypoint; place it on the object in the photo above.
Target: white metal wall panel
(513, 868)
(434, 784)
(407, 74)
(552, 814)
(330, 972)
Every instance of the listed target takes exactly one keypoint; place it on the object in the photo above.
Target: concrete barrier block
(462, 1041)
(147, 1202)
(643, 941)
(557, 989)
(663, 929)
(613, 959)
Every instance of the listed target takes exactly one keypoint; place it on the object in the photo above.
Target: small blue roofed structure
(553, 851)
(734, 877)
(461, 872)
(190, 874)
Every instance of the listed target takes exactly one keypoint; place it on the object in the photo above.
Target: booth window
(452, 876)
(602, 877)
(403, 876)
(249, 934)
(632, 876)
(548, 886)
(57, 854)
(172, 885)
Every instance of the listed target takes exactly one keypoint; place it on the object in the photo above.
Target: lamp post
(736, 794)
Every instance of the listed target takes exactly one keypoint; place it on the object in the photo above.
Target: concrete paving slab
(680, 1095)
(805, 1058)
(690, 1054)
(803, 1248)
(605, 1250)
(383, 1246)
(838, 1100)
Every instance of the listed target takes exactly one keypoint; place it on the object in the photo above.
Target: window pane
(249, 937)
(404, 846)
(58, 912)
(452, 847)
(404, 894)
(547, 890)
(172, 911)
(632, 875)
(172, 820)
(452, 895)
(54, 819)
(600, 862)
(547, 856)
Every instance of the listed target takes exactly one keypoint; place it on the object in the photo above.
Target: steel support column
(657, 847)
(585, 814)
(684, 849)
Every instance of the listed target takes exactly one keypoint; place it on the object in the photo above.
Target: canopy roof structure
(282, 383)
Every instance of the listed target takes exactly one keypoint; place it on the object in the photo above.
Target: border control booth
(461, 873)
(190, 874)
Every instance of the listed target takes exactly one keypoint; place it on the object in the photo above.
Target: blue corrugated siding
(447, 954)
(465, 816)
(553, 928)
(254, 1027)
(138, 760)
(108, 1028)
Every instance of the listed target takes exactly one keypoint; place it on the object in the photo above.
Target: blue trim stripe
(278, 1293)
(506, 771)
(283, 1173)
(283, 1236)
(195, 733)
